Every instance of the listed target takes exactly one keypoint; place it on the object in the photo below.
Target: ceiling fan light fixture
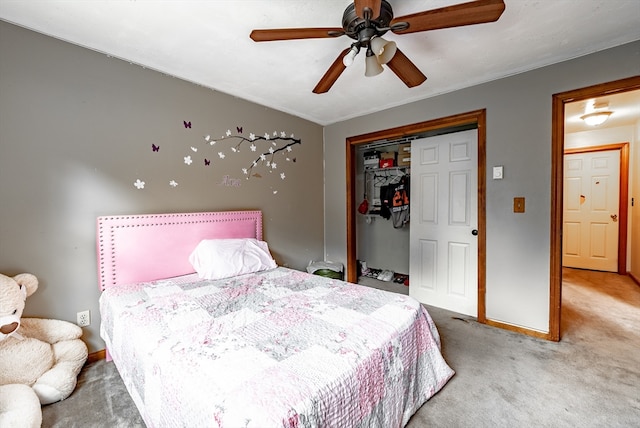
(596, 118)
(366, 21)
(383, 49)
(347, 60)
(371, 66)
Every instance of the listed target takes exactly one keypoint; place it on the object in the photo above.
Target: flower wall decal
(277, 143)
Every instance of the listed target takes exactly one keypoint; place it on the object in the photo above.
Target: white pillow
(222, 258)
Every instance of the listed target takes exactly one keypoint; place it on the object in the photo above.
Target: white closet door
(444, 218)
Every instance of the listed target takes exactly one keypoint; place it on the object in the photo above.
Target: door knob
(614, 217)
(474, 232)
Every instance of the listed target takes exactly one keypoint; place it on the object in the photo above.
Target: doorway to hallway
(559, 103)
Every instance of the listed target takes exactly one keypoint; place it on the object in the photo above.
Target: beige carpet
(591, 378)
(503, 379)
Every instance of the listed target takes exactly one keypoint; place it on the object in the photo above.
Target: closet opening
(389, 249)
(383, 177)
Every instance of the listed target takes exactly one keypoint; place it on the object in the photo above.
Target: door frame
(557, 180)
(623, 192)
(477, 118)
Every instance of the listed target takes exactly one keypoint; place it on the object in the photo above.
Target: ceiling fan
(366, 21)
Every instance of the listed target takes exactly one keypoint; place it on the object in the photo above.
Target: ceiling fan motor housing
(361, 29)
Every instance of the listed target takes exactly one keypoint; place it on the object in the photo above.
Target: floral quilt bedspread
(278, 348)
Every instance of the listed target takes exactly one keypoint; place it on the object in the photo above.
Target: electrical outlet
(83, 318)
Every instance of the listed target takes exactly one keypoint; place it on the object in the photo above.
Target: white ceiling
(207, 42)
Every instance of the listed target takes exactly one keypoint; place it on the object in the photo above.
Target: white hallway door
(444, 215)
(590, 218)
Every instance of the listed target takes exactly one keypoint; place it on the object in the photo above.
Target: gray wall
(76, 132)
(518, 137)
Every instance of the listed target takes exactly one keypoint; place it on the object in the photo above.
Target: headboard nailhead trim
(106, 225)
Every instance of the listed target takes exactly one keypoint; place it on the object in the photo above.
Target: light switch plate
(498, 172)
(518, 205)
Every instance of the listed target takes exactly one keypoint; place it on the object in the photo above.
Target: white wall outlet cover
(498, 172)
(83, 318)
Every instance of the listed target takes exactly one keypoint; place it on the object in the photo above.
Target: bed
(271, 348)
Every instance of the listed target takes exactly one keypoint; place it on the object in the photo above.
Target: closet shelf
(389, 168)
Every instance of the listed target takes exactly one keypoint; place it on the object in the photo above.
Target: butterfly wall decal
(155, 148)
(187, 124)
(207, 162)
(239, 129)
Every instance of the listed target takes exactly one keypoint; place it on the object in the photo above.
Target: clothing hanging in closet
(395, 202)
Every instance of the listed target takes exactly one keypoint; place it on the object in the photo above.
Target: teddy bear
(39, 358)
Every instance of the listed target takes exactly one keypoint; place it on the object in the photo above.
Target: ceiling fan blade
(474, 12)
(406, 70)
(374, 5)
(332, 74)
(295, 33)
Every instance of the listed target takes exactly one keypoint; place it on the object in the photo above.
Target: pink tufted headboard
(135, 248)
